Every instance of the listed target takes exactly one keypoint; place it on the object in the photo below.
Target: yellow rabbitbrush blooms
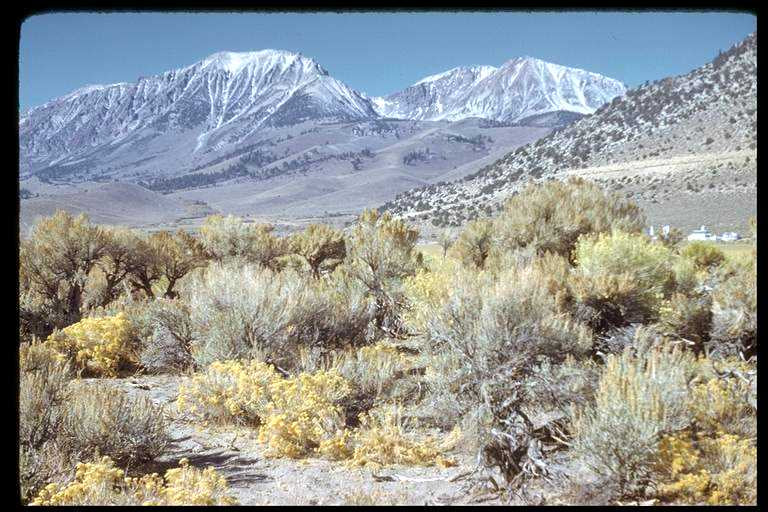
(303, 413)
(186, 485)
(234, 391)
(427, 290)
(383, 440)
(98, 345)
(722, 405)
(717, 470)
(101, 483)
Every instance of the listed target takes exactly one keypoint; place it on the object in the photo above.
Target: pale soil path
(255, 479)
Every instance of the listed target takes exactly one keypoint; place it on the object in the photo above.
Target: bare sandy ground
(255, 479)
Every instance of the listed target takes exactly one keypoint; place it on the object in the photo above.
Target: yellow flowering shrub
(427, 290)
(715, 460)
(383, 440)
(102, 483)
(303, 413)
(99, 346)
(187, 485)
(230, 391)
(717, 470)
(721, 405)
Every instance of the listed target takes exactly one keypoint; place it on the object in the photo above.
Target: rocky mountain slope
(521, 89)
(211, 104)
(630, 144)
(271, 132)
(241, 104)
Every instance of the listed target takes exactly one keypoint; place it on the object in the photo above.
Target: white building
(701, 234)
(729, 236)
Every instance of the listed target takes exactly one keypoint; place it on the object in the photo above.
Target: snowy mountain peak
(224, 98)
(479, 71)
(235, 62)
(523, 87)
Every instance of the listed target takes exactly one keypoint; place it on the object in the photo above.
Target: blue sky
(376, 52)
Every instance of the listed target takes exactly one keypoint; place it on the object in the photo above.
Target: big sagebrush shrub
(227, 238)
(43, 394)
(620, 278)
(381, 254)
(246, 311)
(54, 263)
(642, 395)
(167, 345)
(105, 420)
(486, 337)
(550, 217)
(687, 317)
(704, 255)
(473, 246)
(320, 246)
(734, 311)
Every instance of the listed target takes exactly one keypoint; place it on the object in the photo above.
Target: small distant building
(701, 234)
(729, 236)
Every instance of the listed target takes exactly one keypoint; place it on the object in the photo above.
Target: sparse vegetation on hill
(555, 344)
(709, 111)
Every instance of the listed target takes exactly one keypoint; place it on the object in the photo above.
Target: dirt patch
(255, 479)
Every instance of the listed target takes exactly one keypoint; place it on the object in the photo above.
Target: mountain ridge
(711, 109)
(521, 87)
(227, 97)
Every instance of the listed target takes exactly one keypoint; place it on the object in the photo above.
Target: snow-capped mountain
(684, 147)
(519, 90)
(273, 112)
(223, 98)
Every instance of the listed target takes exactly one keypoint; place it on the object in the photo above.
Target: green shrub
(473, 246)
(734, 311)
(54, 263)
(486, 337)
(605, 302)
(242, 312)
(381, 253)
(123, 253)
(552, 216)
(621, 278)
(642, 394)
(704, 255)
(321, 247)
(167, 346)
(226, 238)
(106, 421)
(686, 317)
(43, 392)
(247, 311)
